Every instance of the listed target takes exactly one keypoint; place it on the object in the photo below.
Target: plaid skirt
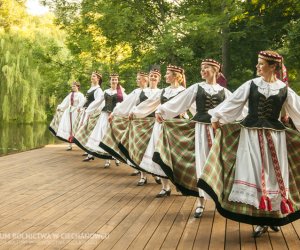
(175, 153)
(134, 141)
(84, 130)
(219, 172)
(53, 127)
(114, 134)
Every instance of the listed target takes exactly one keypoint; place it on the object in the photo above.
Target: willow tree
(34, 64)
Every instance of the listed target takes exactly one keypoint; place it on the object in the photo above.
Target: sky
(35, 8)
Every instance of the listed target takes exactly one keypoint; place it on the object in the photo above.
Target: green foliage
(31, 76)
(40, 57)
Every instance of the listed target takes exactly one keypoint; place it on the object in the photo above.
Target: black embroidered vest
(89, 98)
(205, 102)
(142, 97)
(164, 99)
(264, 112)
(110, 102)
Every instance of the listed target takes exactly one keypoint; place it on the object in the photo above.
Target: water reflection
(21, 137)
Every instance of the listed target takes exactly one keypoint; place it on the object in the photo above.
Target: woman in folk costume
(252, 171)
(111, 98)
(207, 95)
(145, 131)
(68, 111)
(88, 113)
(119, 116)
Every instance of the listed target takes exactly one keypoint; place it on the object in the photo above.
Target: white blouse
(232, 107)
(186, 100)
(99, 103)
(150, 105)
(124, 108)
(97, 94)
(66, 103)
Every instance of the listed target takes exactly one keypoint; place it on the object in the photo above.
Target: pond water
(16, 138)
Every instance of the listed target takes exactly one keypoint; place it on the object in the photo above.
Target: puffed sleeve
(147, 107)
(193, 108)
(65, 103)
(232, 107)
(81, 98)
(99, 100)
(179, 104)
(292, 107)
(124, 108)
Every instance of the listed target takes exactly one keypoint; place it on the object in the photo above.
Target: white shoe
(118, 162)
(107, 164)
(259, 231)
(198, 212)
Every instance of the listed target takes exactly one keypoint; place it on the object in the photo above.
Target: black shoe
(157, 179)
(163, 193)
(142, 182)
(89, 158)
(135, 173)
(198, 212)
(275, 228)
(259, 231)
(85, 154)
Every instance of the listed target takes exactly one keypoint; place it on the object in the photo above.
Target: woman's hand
(110, 118)
(130, 117)
(285, 119)
(159, 118)
(215, 125)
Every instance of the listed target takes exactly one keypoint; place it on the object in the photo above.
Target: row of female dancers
(236, 148)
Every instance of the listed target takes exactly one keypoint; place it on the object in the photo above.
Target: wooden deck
(50, 199)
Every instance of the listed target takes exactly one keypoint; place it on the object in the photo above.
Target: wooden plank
(205, 227)
(232, 235)
(139, 224)
(291, 237)
(296, 225)
(190, 231)
(263, 242)
(217, 239)
(111, 226)
(83, 221)
(129, 221)
(150, 227)
(52, 214)
(162, 230)
(277, 240)
(176, 231)
(246, 239)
